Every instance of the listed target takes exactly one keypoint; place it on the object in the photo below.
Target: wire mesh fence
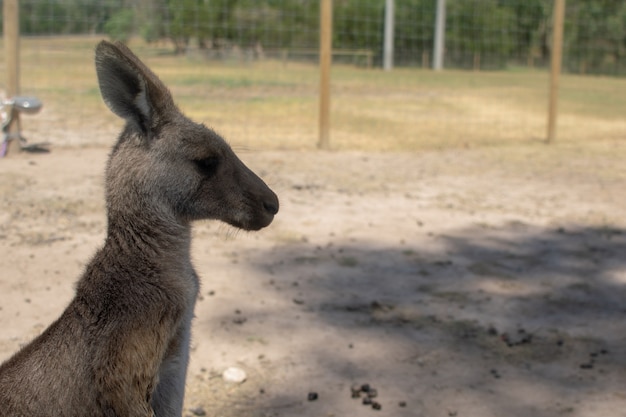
(248, 68)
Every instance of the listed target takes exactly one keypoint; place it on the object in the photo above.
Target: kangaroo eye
(208, 166)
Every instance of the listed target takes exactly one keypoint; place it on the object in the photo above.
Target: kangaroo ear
(129, 88)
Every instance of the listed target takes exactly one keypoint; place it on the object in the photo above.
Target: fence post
(11, 25)
(389, 32)
(440, 33)
(555, 66)
(326, 35)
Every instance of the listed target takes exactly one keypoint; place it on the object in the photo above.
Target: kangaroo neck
(148, 235)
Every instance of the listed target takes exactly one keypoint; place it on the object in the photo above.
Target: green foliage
(528, 26)
(150, 19)
(192, 18)
(492, 33)
(598, 45)
(217, 23)
(120, 26)
(65, 16)
(415, 28)
(151, 31)
(358, 24)
(41, 18)
(479, 28)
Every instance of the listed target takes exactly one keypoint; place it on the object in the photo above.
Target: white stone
(234, 375)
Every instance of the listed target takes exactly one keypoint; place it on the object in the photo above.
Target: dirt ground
(467, 282)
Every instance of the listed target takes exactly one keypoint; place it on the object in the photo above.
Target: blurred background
(249, 68)
(444, 253)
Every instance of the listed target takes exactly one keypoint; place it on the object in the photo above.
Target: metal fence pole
(440, 33)
(389, 32)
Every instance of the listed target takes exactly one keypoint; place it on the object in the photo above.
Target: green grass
(269, 105)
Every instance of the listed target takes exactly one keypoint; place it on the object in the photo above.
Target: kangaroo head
(163, 161)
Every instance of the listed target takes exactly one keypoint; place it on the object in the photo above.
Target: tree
(596, 36)
(151, 19)
(415, 28)
(206, 20)
(119, 27)
(478, 29)
(359, 25)
(528, 30)
(276, 23)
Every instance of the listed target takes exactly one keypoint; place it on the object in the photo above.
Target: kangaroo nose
(271, 207)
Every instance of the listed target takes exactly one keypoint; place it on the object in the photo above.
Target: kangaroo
(121, 347)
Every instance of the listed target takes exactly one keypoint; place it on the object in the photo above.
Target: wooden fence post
(555, 66)
(326, 36)
(11, 25)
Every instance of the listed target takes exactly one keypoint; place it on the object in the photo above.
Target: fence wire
(248, 67)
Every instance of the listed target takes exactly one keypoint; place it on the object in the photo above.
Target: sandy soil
(457, 283)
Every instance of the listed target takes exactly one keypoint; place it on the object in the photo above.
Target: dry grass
(267, 105)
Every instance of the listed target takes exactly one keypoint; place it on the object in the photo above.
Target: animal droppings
(495, 373)
(370, 393)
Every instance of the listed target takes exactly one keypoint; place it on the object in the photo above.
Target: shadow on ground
(515, 320)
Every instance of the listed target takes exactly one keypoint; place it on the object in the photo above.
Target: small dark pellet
(312, 396)
(376, 406)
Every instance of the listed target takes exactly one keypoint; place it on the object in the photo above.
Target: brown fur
(121, 347)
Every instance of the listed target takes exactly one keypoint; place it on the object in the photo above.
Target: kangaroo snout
(259, 204)
(270, 207)
(262, 207)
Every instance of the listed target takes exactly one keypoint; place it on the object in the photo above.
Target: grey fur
(121, 347)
